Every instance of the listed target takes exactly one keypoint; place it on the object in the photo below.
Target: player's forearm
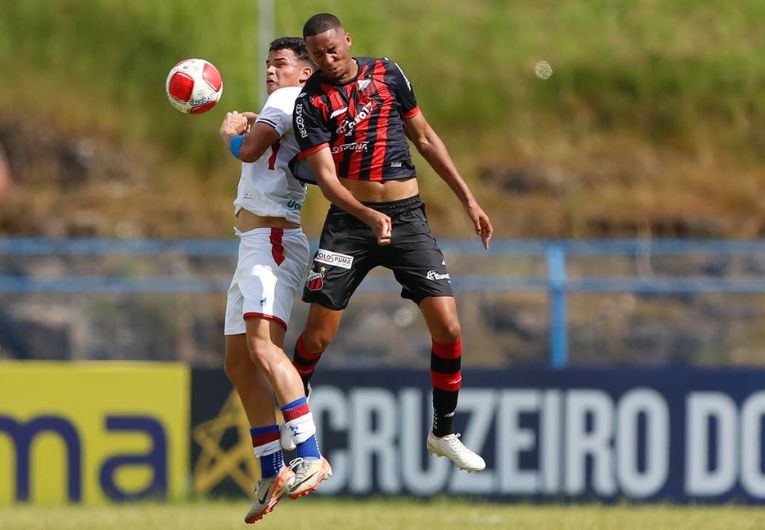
(323, 167)
(434, 151)
(257, 140)
(338, 195)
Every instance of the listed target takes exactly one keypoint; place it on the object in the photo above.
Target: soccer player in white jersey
(273, 260)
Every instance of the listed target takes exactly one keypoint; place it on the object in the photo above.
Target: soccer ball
(194, 86)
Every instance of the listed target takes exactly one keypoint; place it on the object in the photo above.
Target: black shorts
(348, 250)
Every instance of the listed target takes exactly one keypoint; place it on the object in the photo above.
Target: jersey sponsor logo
(361, 146)
(434, 276)
(343, 261)
(347, 125)
(338, 112)
(299, 121)
(294, 205)
(315, 280)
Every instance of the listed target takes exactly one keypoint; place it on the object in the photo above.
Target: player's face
(284, 69)
(331, 51)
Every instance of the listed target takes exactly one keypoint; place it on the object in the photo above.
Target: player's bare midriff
(246, 220)
(385, 191)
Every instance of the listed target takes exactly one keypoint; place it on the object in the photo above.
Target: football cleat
(452, 448)
(268, 492)
(308, 475)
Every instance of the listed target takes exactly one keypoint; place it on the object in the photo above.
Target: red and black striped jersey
(361, 121)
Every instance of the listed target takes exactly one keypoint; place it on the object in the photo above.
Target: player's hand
(233, 124)
(381, 225)
(481, 223)
(251, 117)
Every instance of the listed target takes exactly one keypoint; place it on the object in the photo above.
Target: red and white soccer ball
(194, 86)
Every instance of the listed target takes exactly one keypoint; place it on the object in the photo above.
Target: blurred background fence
(524, 301)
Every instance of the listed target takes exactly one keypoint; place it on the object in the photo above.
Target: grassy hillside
(652, 123)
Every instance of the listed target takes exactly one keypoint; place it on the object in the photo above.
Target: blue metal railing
(556, 282)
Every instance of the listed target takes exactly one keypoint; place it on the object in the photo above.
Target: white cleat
(308, 475)
(268, 492)
(452, 448)
(285, 434)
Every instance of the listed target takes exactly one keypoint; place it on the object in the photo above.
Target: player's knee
(449, 333)
(316, 341)
(261, 352)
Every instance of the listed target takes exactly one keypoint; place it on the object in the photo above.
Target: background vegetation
(653, 123)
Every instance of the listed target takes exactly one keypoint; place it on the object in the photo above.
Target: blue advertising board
(596, 434)
(673, 434)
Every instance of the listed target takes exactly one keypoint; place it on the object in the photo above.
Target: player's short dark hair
(320, 23)
(296, 44)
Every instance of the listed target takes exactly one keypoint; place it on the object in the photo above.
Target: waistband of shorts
(266, 231)
(387, 208)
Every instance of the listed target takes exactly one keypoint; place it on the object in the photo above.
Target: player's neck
(353, 71)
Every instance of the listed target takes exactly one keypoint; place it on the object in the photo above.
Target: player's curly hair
(320, 23)
(296, 44)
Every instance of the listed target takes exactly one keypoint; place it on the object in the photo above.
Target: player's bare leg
(264, 340)
(320, 330)
(257, 399)
(440, 314)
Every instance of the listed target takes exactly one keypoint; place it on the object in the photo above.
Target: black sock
(444, 405)
(446, 377)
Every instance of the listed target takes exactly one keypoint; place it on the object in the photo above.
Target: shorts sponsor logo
(315, 280)
(433, 275)
(334, 258)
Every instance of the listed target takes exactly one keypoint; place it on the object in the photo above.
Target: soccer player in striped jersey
(273, 258)
(352, 121)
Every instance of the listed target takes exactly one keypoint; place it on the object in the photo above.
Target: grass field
(330, 514)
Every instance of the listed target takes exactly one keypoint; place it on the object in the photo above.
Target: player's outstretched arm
(434, 151)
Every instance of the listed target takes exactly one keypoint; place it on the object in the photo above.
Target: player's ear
(348, 39)
(305, 73)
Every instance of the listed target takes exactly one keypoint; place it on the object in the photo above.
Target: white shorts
(271, 269)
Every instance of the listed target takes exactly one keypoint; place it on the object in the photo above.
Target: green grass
(327, 514)
(662, 70)
(651, 103)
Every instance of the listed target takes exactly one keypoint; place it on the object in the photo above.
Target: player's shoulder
(282, 95)
(313, 85)
(374, 62)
